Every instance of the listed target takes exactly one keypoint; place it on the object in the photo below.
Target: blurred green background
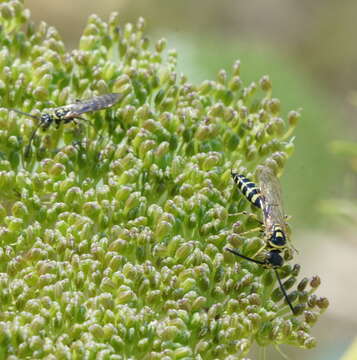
(309, 51)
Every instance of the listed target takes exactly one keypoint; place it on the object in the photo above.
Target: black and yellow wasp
(70, 112)
(268, 198)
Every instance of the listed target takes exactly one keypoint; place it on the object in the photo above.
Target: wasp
(68, 113)
(268, 198)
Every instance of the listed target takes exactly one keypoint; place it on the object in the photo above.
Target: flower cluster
(113, 233)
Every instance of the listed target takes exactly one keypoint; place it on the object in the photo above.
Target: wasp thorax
(278, 238)
(60, 113)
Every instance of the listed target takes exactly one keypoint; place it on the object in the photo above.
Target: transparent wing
(272, 198)
(93, 104)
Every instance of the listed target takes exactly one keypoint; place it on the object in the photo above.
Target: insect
(70, 112)
(268, 198)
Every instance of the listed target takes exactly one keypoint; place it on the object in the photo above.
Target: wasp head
(274, 259)
(46, 121)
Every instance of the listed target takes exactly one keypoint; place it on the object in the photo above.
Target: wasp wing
(272, 199)
(93, 104)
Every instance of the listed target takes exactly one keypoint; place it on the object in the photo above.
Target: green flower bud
(310, 343)
(312, 301)
(162, 149)
(188, 284)
(6, 11)
(235, 84)
(73, 194)
(279, 125)
(35, 343)
(96, 331)
(293, 118)
(161, 45)
(251, 153)
(222, 76)
(183, 251)
(315, 282)
(182, 352)
(322, 303)
(199, 303)
(289, 148)
(125, 296)
(91, 209)
(19, 210)
(205, 87)
(14, 224)
(274, 106)
(163, 229)
(265, 83)
(302, 284)
(87, 43)
(117, 343)
(132, 202)
(236, 68)
(57, 171)
(303, 297)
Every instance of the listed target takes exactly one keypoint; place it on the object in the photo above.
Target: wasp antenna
(284, 292)
(245, 257)
(28, 147)
(26, 114)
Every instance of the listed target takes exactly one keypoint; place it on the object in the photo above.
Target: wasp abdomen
(249, 189)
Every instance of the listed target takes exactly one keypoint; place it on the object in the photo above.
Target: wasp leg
(259, 251)
(83, 119)
(58, 123)
(251, 231)
(246, 213)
